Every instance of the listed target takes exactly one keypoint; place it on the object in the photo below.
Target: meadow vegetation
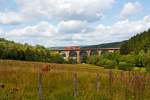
(21, 82)
(134, 54)
(124, 75)
(139, 61)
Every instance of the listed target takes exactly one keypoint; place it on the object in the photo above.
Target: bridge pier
(78, 56)
(111, 51)
(67, 55)
(99, 52)
(88, 52)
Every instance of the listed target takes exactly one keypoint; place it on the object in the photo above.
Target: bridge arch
(79, 54)
(72, 53)
(83, 56)
(94, 52)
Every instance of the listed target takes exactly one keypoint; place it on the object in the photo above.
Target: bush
(101, 62)
(109, 64)
(147, 62)
(148, 68)
(139, 59)
(139, 69)
(130, 58)
(93, 59)
(72, 61)
(125, 66)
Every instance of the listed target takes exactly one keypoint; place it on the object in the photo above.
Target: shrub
(130, 58)
(72, 61)
(148, 68)
(109, 64)
(125, 66)
(139, 59)
(147, 62)
(101, 62)
(139, 69)
(93, 59)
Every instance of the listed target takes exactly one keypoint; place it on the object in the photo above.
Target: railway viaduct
(79, 52)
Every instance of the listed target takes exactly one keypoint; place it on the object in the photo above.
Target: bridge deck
(79, 49)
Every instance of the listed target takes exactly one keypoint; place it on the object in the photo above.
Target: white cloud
(2, 33)
(130, 9)
(72, 26)
(125, 29)
(46, 34)
(42, 29)
(10, 18)
(89, 10)
(147, 19)
(53, 20)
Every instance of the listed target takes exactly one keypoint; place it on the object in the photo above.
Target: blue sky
(72, 22)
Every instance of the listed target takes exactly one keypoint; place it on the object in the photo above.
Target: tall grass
(69, 82)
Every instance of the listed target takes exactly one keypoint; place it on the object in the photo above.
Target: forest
(136, 43)
(134, 55)
(17, 51)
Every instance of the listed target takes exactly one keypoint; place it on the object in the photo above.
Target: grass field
(92, 82)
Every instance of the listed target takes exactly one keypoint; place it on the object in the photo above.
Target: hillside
(17, 51)
(105, 45)
(136, 43)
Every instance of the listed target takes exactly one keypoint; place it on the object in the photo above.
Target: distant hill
(136, 43)
(56, 48)
(105, 45)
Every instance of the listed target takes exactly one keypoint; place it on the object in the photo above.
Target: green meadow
(63, 81)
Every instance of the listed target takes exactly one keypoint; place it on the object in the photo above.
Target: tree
(124, 50)
(139, 59)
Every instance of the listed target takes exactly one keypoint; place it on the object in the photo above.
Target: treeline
(17, 51)
(105, 45)
(132, 61)
(134, 54)
(139, 42)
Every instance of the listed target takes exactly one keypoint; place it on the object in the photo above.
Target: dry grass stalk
(40, 85)
(97, 82)
(110, 83)
(75, 83)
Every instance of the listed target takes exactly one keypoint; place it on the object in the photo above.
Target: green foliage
(125, 66)
(108, 60)
(136, 43)
(130, 58)
(93, 59)
(71, 61)
(57, 84)
(16, 51)
(139, 59)
(134, 53)
(123, 62)
(124, 48)
(106, 45)
(84, 59)
(109, 64)
(147, 62)
(56, 59)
